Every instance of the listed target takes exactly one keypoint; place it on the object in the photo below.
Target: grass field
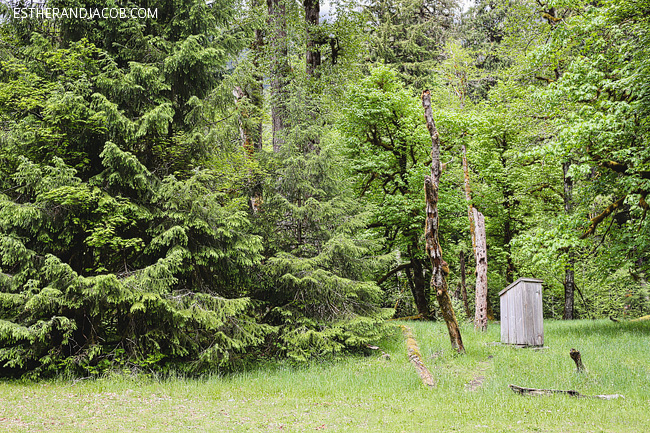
(372, 393)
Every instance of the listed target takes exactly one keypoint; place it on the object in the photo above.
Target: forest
(233, 181)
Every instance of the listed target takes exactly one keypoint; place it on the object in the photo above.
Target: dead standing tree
(439, 266)
(480, 252)
(479, 244)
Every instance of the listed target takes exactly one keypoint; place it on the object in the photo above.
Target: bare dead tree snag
(413, 352)
(244, 133)
(250, 133)
(575, 355)
(479, 245)
(481, 314)
(439, 266)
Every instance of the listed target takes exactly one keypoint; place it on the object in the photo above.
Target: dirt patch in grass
(478, 379)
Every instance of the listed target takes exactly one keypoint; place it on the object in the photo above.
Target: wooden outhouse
(522, 321)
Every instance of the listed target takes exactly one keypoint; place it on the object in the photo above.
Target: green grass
(372, 394)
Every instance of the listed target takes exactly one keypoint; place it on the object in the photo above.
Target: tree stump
(575, 355)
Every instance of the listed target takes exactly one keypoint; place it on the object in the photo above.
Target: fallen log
(536, 391)
(416, 317)
(413, 352)
(539, 392)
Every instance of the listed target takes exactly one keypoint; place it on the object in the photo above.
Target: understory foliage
(126, 237)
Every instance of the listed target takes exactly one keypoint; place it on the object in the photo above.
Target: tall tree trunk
(509, 203)
(569, 277)
(312, 56)
(507, 240)
(439, 266)
(279, 69)
(569, 288)
(250, 134)
(247, 128)
(312, 61)
(419, 289)
(257, 91)
(479, 244)
(481, 314)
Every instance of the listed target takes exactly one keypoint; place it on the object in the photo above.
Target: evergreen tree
(409, 35)
(125, 228)
(120, 239)
(318, 261)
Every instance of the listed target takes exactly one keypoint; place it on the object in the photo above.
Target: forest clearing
(246, 215)
(371, 393)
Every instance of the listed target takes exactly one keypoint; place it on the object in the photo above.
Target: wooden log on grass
(415, 357)
(537, 391)
(541, 392)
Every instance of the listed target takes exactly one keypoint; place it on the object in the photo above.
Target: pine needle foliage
(88, 275)
(118, 244)
(319, 261)
(126, 238)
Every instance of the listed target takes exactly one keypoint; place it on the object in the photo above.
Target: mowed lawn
(372, 393)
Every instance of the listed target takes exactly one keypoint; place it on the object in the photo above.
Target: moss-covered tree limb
(623, 168)
(604, 214)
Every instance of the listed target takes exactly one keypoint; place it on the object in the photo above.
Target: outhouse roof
(531, 280)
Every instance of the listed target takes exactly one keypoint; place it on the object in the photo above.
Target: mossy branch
(604, 214)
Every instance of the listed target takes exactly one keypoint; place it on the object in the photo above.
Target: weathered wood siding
(522, 320)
